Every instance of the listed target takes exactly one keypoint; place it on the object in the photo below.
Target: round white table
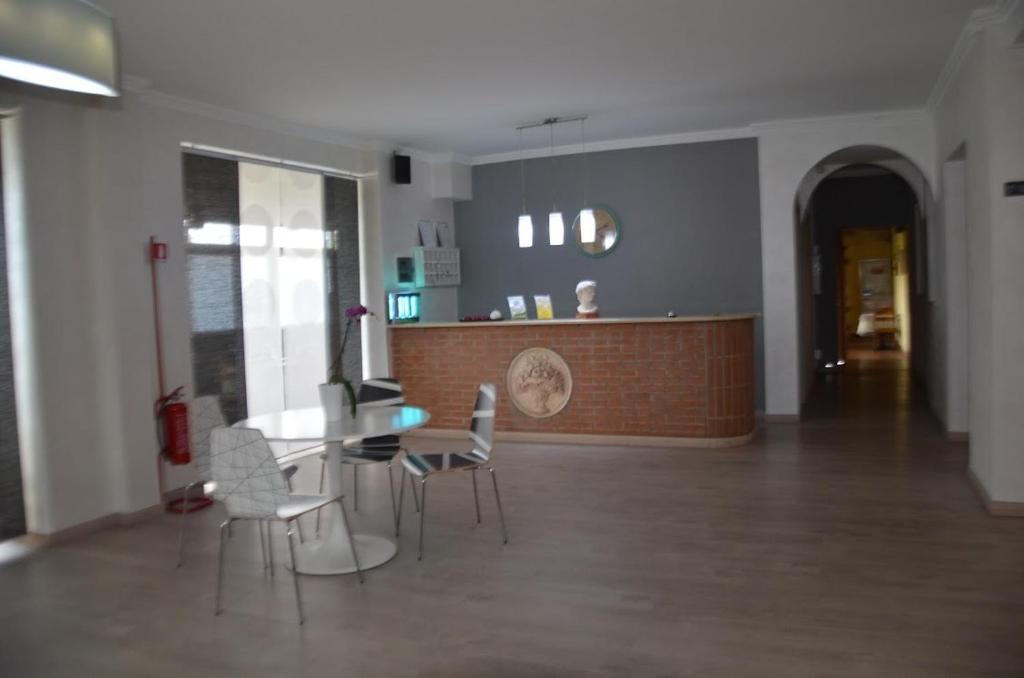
(330, 554)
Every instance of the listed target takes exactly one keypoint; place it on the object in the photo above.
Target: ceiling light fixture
(64, 44)
(525, 221)
(588, 225)
(556, 226)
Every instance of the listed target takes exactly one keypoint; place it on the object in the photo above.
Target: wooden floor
(848, 545)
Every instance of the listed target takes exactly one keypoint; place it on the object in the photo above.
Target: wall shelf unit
(437, 266)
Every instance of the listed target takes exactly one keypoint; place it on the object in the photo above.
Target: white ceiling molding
(431, 157)
(216, 151)
(181, 104)
(619, 144)
(980, 19)
(135, 84)
(141, 87)
(751, 132)
(875, 118)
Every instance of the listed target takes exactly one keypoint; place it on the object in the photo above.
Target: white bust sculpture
(586, 292)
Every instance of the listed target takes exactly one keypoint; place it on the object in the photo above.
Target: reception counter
(686, 381)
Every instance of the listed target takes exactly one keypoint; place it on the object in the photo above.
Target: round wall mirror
(609, 232)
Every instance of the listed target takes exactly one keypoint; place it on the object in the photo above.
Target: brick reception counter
(658, 381)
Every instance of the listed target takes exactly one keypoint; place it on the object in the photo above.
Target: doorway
(861, 231)
(874, 296)
(864, 314)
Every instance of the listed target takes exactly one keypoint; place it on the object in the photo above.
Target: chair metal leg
(351, 542)
(181, 529)
(224, 529)
(415, 498)
(423, 512)
(497, 498)
(401, 497)
(391, 486)
(295, 574)
(323, 476)
(270, 549)
(298, 522)
(476, 496)
(355, 487)
(263, 543)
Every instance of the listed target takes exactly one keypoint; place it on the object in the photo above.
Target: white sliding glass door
(283, 286)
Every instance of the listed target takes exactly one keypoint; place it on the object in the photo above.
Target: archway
(862, 257)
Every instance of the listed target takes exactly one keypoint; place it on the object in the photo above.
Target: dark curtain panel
(214, 277)
(12, 506)
(341, 225)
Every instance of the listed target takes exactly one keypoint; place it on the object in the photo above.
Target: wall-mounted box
(436, 266)
(405, 269)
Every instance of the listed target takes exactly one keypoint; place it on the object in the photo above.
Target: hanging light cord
(583, 144)
(522, 171)
(554, 196)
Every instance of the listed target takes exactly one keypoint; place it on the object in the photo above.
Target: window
(273, 260)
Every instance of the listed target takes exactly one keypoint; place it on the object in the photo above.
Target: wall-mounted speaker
(402, 166)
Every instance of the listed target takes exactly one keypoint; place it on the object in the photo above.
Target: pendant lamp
(525, 221)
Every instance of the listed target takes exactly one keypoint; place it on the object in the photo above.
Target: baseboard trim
(958, 436)
(782, 418)
(98, 525)
(1007, 509)
(591, 439)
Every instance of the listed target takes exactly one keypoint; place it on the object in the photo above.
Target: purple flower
(336, 372)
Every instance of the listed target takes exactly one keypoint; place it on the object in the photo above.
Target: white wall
(787, 151)
(54, 337)
(951, 311)
(100, 177)
(402, 207)
(983, 109)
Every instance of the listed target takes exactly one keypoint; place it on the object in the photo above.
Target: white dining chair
(205, 414)
(420, 467)
(251, 486)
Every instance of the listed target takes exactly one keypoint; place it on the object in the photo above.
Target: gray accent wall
(691, 240)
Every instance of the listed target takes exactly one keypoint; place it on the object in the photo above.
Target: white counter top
(719, 317)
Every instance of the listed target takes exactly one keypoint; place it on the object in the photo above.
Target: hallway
(870, 385)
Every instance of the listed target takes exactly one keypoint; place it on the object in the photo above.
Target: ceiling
(459, 75)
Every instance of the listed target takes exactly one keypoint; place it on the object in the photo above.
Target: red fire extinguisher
(173, 417)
